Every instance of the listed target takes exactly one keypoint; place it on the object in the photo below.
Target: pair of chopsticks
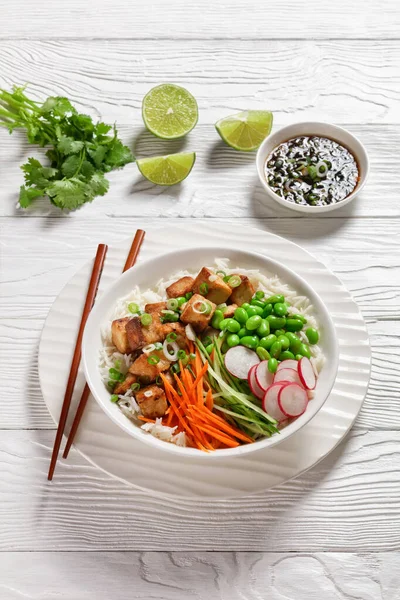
(76, 359)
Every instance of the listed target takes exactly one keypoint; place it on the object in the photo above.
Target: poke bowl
(210, 352)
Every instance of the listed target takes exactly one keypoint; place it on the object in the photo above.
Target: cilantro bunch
(79, 153)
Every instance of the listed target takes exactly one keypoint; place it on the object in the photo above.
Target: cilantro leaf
(67, 193)
(71, 165)
(35, 174)
(97, 155)
(57, 105)
(67, 145)
(118, 155)
(102, 128)
(87, 169)
(27, 195)
(98, 185)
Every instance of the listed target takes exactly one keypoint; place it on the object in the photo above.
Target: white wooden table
(332, 534)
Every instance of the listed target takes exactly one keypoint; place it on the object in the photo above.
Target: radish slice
(306, 373)
(270, 402)
(239, 360)
(263, 377)
(290, 363)
(292, 400)
(255, 388)
(289, 375)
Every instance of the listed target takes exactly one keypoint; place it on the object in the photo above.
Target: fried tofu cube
(120, 336)
(183, 286)
(179, 329)
(144, 370)
(123, 387)
(217, 290)
(198, 320)
(155, 308)
(229, 311)
(244, 292)
(152, 401)
(134, 332)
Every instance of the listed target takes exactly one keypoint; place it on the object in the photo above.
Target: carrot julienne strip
(145, 419)
(217, 434)
(208, 416)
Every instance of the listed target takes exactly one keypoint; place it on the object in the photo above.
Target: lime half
(167, 170)
(169, 111)
(246, 130)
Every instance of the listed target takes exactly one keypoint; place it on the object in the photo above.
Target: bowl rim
(279, 136)
(97, 317)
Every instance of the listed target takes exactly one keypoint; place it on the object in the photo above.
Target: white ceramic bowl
(338, 134)
(145, 275)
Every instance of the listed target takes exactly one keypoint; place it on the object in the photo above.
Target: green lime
(167, 170)
(169, 111)
(246, 130)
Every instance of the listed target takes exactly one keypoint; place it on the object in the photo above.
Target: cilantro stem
(82, 156)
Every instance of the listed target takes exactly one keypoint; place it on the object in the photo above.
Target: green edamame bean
(312, 335)
(241, 315)
(259, 295)
(279, 332)
(262, 353)
(300, 318)
(253, 322)
(224, 324)
(276, 349)
(233, 326)
(224, 347)
(295, 345)
(280, 309)
(263, 328)
(233, 340)
(298, 356)
(276, 298)
(210, 348)
(290, 336)
(255, 302)
(276, 322)
(268, 308)
(294, 324)
(266, 342)
(242, 332)
(217, 318)
(284, 341)
(254, 310)
(286, 355)
(272, 365)
(245, 305)
(250, 341)
(304, 350)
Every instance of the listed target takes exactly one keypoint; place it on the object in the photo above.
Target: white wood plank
(203, 575)
(349, 502)
(202, 20)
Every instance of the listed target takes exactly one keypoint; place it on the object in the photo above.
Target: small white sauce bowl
(338, 134)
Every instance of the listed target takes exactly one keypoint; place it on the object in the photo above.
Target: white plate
(104, 444)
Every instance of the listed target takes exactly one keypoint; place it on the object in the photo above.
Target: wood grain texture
(203, 576)
(239, 19)
(347, 502)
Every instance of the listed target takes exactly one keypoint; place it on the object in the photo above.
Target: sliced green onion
(146, 319)
(114, 398)
(135, 387)
(172, 304)
(158, 346)
(234, 281)
(114, 374)
(182, 355)
(221, 306)
(207, 340)
(181, 300)
(227, 278)
(192, 357)
(112, 384)
(175, 368)
(220, 274)
(117, 364)
(171, 337)
(202, 307)
(158, 380)
(133, 308)
(188, 295)
(203, 289)
(153, 359)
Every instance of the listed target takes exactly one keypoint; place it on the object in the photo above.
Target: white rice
(108, 355)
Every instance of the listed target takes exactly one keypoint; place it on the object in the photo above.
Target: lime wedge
(246, 130)
(169, 111)
(167, 170)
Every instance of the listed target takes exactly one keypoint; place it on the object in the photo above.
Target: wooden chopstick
(130, 261)
(76, 359)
